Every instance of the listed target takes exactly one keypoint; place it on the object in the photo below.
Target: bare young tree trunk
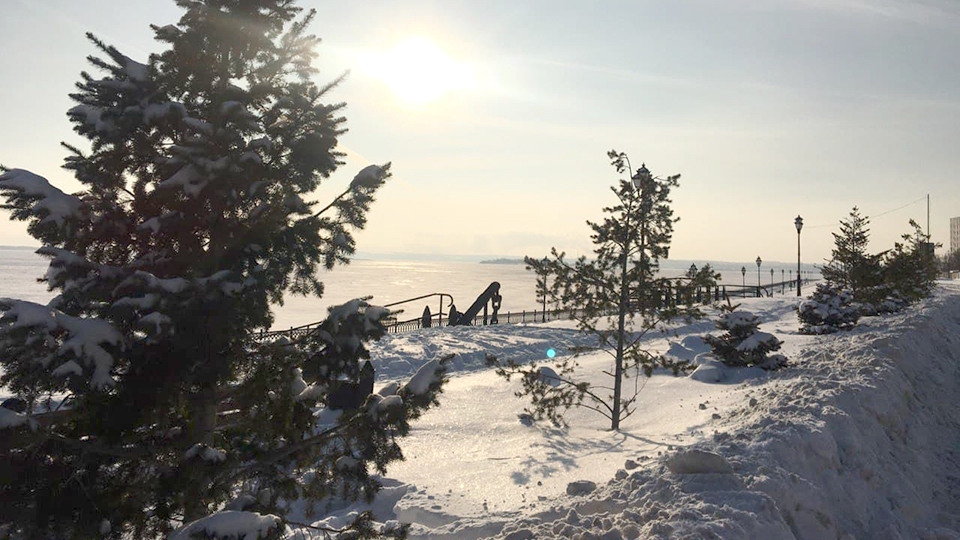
(621, 324)
(618, 375)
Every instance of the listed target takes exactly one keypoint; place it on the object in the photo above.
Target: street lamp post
(759, 262)
(692, 274)
(771, 281)
(781, 280)
(799, 224)
(743, 274)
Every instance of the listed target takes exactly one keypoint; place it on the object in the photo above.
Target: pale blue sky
(768, 108)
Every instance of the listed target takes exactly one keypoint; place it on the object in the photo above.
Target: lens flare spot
(551, 353)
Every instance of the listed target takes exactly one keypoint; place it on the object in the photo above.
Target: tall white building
(954, 234)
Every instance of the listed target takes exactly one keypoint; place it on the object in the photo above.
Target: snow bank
(857, 439)
(399, 356)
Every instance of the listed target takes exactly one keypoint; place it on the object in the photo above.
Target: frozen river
(386, 281)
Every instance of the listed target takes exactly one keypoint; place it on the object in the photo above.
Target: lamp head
(758, 261)
(799, 223)
(642, 175)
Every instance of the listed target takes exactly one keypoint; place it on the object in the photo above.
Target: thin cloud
(924, 12)
(616, 72)
(733, 84)
(50, 13)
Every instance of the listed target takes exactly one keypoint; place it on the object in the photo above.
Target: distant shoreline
(502, 261)
(674, 264)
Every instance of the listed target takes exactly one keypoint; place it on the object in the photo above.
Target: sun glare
(418, 71)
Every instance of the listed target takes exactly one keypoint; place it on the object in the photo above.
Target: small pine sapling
(742, 344)
(618, 297)
(828, 310)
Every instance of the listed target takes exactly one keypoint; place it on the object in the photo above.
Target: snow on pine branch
(155, 112)
(12, 419)
(142, 279)
(355, 201)
(369, 176)
(135, 70)
(231, 524)
(428, 374)
(188, 178)
(93, 117)
(348, 325)
(51, 206)
(63, 261)
(152, 282)
(757, 341)
(301, 391)
(150, 296)
(351, 208)
(74, 340)
(206, 453)
(372, 315)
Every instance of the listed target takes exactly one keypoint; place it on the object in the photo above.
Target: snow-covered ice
(857, 438)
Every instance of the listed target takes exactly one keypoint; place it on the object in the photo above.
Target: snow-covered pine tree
(617, 297)
(194, 217)
(910, 268)
(742, 343)
(851, 268)
(828, 310)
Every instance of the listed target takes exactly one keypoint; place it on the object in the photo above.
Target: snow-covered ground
(857, 438)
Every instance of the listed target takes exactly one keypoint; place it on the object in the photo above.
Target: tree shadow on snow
(627, 435)
(560, 451)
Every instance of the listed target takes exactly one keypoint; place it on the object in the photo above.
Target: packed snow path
(857, 438)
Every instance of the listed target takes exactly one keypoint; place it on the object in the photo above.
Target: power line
(869, 216)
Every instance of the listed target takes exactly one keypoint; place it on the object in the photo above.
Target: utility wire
(869, 216)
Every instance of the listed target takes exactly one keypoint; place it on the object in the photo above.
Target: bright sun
(418, 71)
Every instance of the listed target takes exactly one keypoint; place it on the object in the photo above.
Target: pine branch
(607, 412)
(279, 454)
